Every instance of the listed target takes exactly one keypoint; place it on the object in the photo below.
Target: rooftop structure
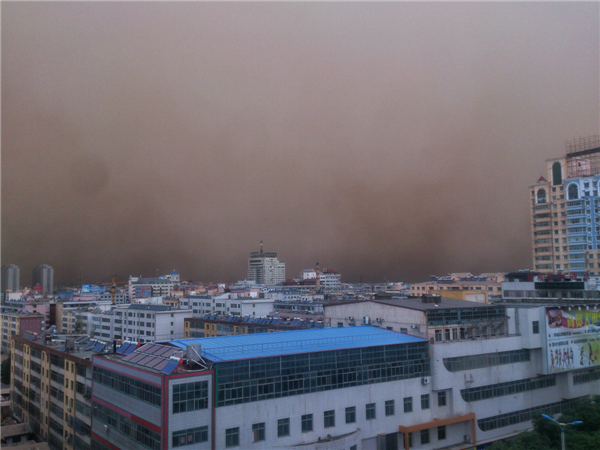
(265, 268)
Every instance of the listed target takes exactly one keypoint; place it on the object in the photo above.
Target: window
(425, 401)
(438, 335)
(536, 327)
(442, 398)
(407, 404)
(190, 396)
(283, 427)
(189, 437)
(232, 437)
(258, 430)
(307, 423)
(329, 419)
(441, 433)
(340, 324)
(389, 408)
(370, 410)
(447, 334)
(454, 334)
(424, 437)
(410, 440)
(351, 414)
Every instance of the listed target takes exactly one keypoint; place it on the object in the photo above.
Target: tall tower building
(10, 278)
(565, 211)
(44, 275)
(265, 268)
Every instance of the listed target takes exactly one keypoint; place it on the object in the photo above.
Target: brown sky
(384, 140)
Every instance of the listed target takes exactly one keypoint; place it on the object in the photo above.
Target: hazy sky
(384, 140)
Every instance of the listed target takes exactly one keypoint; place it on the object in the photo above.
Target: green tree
(6, 370)
(546, 434)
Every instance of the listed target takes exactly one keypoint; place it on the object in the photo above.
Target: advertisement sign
(573, 339)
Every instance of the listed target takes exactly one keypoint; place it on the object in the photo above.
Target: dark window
(351, 414)
(442, 398)
(407, 404)
(438, 335)
(573, 192)
(189, 437)
(389, 408)
(283, 427)
(232, 437)
(425, 401)
(536, 327)
(307, 423)
(370, 411)
(556, 174)
(424, 437)
(441, 433)
(258, 429)
(329, 419)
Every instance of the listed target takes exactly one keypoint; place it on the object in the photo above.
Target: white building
(265, 268)
(231, 303)
(136, 322)
(44, 276)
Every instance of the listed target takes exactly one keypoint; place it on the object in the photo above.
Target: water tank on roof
(192, 352)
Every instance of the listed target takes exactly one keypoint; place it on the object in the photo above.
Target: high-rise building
(265, 268)
(44, 276)
(10, 278)
(565, 211)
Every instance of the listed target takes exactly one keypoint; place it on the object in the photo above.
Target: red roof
(542, 180)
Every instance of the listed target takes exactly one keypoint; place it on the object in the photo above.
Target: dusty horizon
(387, 141)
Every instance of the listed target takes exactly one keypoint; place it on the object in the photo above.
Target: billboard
(573, 339)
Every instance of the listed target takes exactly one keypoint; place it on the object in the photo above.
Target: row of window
(264, 378)
(587, 377)
(130, 428)
(283, 425)
(189, 437)
(190, 396)
(524, 415)
(128, 386)
(501, 389)
(471, 362)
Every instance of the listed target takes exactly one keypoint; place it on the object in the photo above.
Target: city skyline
(386, 141)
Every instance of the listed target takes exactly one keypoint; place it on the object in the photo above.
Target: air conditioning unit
(426, 380)
(414, 327)
(68, 409)
(467, 438)
(106, 428)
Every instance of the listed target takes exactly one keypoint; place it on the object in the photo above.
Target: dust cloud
(386, 141)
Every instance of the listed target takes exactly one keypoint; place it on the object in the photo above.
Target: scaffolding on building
(583, 156)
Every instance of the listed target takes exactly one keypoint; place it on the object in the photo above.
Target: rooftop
(230, 348)
(443, 303)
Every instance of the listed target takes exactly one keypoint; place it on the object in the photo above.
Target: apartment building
(11, 278)
(44, 276)
(51, 390)
(565, 211)
(16, 324)
(231, 303)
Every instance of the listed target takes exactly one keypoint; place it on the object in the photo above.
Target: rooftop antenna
(261, 248)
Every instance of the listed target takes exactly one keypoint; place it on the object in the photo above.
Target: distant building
(462, 286)
(265, 268)
(162, 286)
(14, 324)
(10, 278)
(212, 325)
(44, 276)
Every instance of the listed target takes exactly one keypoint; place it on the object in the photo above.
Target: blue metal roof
(260, 345)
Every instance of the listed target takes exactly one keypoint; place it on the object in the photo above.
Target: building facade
(52, 390)
(265, 268)
(44, 276)
(565, 211)
(15, 324)
(11, 278)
